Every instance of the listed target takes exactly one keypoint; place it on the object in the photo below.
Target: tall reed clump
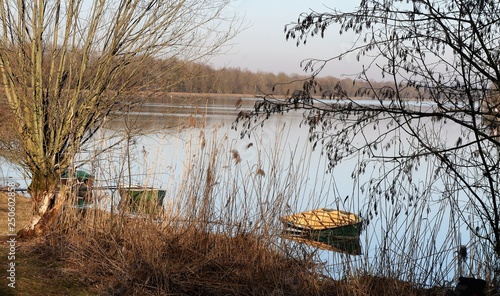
(218, 231)
(218, 234)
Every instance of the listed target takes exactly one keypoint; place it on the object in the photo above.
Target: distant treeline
(200, 78)
(153, 75)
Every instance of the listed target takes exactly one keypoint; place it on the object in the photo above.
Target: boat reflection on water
(350, 245)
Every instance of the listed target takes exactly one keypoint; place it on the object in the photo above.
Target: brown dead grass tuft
(93, 253)
(140, 256)
(370, 285)
(236, 156)
(37, 273)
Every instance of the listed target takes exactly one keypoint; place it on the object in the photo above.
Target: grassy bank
(36, 273)
(96, 254)
(219, 234)
(93, 253)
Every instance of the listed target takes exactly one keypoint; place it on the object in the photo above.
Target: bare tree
(66, 65)
(446, 54)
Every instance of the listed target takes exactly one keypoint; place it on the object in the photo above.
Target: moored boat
(324, 223)
(142, 198)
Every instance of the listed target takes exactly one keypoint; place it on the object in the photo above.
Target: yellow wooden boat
(325, 222)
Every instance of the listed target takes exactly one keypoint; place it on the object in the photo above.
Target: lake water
(276, 172)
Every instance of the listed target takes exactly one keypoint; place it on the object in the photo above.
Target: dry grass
(205, 242)
(145, 257)
(94, 253)
(22, 210)
(368, 285)
(36, 274)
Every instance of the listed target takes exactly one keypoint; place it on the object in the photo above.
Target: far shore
(175, 97)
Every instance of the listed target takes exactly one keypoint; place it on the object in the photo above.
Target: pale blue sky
(262, 46)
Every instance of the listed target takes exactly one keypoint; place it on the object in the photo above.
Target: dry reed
(219, 234)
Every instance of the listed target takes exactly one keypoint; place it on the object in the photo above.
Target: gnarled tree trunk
(65, 66)
(48, 198)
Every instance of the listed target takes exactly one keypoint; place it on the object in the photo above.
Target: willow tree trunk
(48, 198)
(66, 65)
